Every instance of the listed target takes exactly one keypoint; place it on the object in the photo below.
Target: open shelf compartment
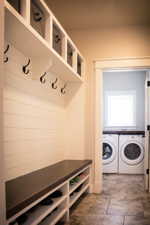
(58, 39)
(80, 65)
(78, 192)
(46, 206)
(19, 6)
(70, 54)
(56, 215)
(40, 19)
(76, 181)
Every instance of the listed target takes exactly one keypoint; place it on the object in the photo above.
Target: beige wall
(132, 41)
(75, 123)
(116, 42)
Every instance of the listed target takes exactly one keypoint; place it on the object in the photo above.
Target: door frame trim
(100, 66)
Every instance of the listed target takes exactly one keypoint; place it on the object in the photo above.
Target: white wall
(126, 81)
(75, 121)
(2, 184)
(34, 120)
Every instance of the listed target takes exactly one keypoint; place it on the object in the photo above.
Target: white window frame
(117, 93)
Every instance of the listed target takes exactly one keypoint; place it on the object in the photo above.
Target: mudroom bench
(46, 196)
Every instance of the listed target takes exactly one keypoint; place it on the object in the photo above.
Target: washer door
(109, 152)
(132, 153)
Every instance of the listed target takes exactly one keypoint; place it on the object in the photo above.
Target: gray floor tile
(136, 220)
(96, 220)
(123, 202)
(126, 207)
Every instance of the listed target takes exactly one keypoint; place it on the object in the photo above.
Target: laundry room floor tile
(123, 202)
(93, 204)
(96, 220)
(125, 207)
(136, 220)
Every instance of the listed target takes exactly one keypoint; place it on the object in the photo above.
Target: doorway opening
(124, 126)
(140, 65)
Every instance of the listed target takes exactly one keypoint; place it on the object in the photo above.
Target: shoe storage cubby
(77, 180)
(40, 19)
(53, 208)
(76, 194)
(56, 214)
(50, 207)
(32, 20)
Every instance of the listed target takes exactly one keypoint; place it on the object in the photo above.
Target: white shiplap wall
(34, 119)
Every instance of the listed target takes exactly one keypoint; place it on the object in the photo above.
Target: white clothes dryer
(131, 154)
(110, 153)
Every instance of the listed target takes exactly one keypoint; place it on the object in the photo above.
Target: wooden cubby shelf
(74, 196)
(54, 206)
(33, 29)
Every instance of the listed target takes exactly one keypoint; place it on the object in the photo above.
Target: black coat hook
(7, 48)
(54, 86)
(63, 89)
(42, 78)
(24, 68)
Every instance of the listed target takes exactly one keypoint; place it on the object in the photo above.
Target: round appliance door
(109, 152)
(132, 153)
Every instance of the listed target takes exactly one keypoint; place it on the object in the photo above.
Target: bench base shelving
(55, 205)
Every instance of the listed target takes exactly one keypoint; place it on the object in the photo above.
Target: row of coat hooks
(26, 71)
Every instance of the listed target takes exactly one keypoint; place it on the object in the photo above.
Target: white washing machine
(131, 154)
(110, 153)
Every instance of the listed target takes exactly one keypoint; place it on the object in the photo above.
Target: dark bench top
(24, 190)
(124, 132)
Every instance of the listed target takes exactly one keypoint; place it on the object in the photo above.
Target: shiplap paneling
(34, 119)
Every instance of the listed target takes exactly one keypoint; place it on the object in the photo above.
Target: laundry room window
(121, 109)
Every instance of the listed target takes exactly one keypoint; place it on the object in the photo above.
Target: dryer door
(109, 152)
(132, 153)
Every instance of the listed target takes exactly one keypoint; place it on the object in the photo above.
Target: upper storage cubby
(70, 54)
(79, 65)
(33, 29)
(19, 6)
(40, 19)
(58, 40)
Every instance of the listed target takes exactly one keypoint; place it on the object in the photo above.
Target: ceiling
(87, 14)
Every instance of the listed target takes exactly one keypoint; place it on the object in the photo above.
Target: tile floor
(123, 202)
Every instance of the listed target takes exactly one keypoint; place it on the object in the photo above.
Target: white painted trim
(2, 184)
(99, 66)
